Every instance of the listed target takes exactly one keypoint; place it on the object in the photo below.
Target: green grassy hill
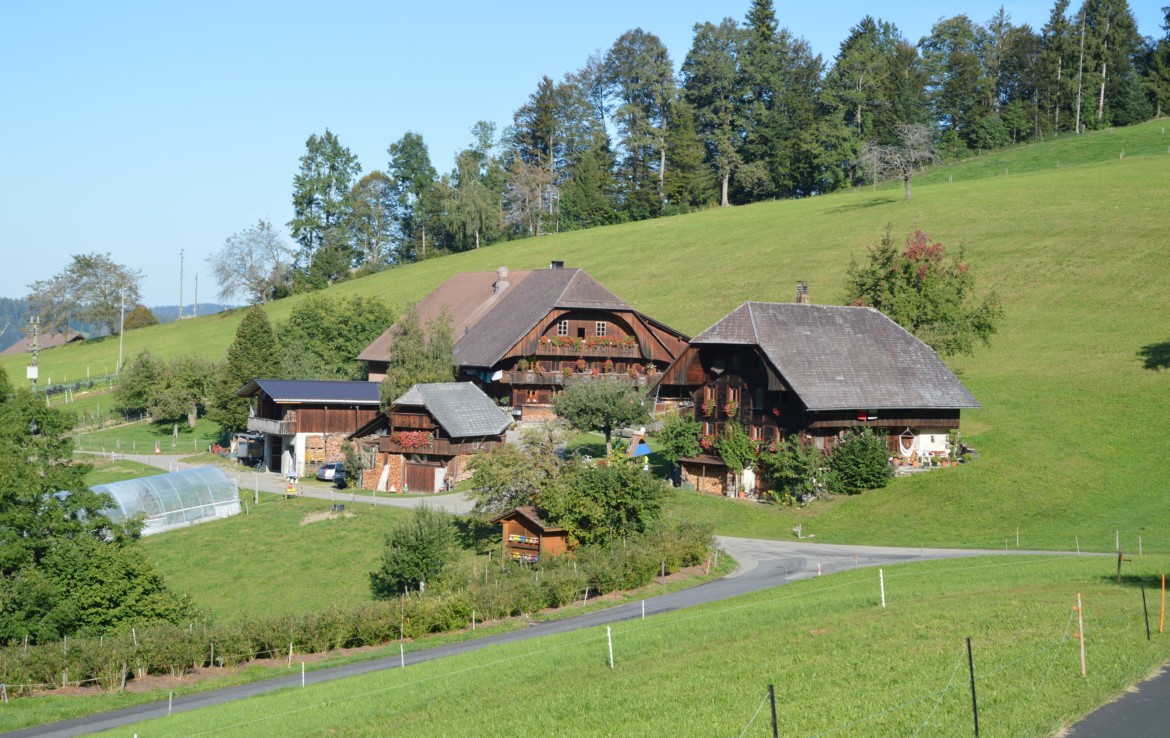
(1069, 233)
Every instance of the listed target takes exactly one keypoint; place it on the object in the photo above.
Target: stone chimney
(502, 282)
(802, 293)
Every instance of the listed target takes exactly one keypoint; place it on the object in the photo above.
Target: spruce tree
(254, 354)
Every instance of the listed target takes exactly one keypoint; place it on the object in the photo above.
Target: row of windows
(598, 328)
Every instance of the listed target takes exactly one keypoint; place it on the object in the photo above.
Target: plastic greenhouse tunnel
(174, 500)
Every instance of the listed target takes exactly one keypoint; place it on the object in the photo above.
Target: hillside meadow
(1070, 235)
(840, 662)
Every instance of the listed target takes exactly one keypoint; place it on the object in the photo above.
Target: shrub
(416, 550)
(861, 461)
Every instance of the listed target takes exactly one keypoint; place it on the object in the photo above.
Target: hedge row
(490, 592)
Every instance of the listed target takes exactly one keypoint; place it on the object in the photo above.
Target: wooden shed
(527, 537)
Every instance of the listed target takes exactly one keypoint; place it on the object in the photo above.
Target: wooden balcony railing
(437, 447)
(272, 427)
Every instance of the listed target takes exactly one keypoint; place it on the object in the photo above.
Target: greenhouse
(173, 500)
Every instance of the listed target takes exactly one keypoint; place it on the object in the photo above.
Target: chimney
(557, 265)
(802, 293)
(502, 282)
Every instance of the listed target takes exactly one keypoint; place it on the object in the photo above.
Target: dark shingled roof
(314, 391)
(842, 358)
(523, 306)
(461, 408)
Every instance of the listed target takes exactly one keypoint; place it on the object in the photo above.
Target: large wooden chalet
(815, 370)
(420, 442)
(523, 335)
(302, 423)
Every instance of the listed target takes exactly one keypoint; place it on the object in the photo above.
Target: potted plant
(608, 365)
(522, 365)
(581, 365)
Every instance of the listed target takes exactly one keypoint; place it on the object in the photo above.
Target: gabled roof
(460, 408)
(44, 341)
(315, 391)
(532, 515)
(842, 358)
(466, 297)
(520, 309)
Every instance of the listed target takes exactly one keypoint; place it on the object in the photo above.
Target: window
(563, 328)
(600, 328)
(530, 396)
(758, 399)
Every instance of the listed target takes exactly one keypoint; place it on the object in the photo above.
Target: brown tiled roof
(842, 358)
(45, 341)
(522, 307)
(467, 296)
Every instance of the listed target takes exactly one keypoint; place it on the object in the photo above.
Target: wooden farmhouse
(781, 369)
(527, 537)
(302, 423)
(521, 336)
(421, 442)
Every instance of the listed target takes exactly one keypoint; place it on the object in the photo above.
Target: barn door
(420, 478)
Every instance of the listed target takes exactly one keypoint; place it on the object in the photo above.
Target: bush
(416, 550)
(861, 461)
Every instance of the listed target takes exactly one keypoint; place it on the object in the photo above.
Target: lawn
(840, 663)
(1071, 238)
(145, 438)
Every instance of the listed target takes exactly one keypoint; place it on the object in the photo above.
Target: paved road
(1140, 713)
(763, 564)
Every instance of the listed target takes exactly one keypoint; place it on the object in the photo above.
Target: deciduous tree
(322, 202)
(256, 261)
(414, 553)
(599, 504)
(601, 404)
(913, 149)
(323, 334)
(419, 355)
(927, 293)
(92, 289)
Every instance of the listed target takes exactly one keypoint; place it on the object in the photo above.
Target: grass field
(1072, 387)
(840, 663)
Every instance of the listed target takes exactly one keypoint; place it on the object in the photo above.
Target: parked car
(327, 472)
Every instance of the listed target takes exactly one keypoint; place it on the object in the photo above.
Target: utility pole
(121, 331)
(34, 329)
(180, 284)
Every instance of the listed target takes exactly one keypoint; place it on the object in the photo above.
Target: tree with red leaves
(925, 292)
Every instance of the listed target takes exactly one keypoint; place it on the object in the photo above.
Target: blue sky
(142, 129)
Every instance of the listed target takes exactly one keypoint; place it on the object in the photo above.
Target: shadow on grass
(475, 534)
(1152, 582)
(870, 203)
(1155, 356)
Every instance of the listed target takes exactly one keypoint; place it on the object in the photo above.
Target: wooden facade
(574, 344)
(409, 447)
(528, 538)
(783, 370)
(303, 422)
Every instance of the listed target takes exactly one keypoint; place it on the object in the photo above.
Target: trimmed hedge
(492, 592)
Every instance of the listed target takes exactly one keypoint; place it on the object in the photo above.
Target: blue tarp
(642, 449)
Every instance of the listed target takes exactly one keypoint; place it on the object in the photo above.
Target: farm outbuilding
(528, 537)
(174, 500)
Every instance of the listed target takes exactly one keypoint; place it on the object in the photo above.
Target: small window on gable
(563, 328)
(600, 328)
(758, 399)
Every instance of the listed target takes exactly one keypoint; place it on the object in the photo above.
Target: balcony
(601, 352)
(560, 379)
(437, 447)
(272, 427)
